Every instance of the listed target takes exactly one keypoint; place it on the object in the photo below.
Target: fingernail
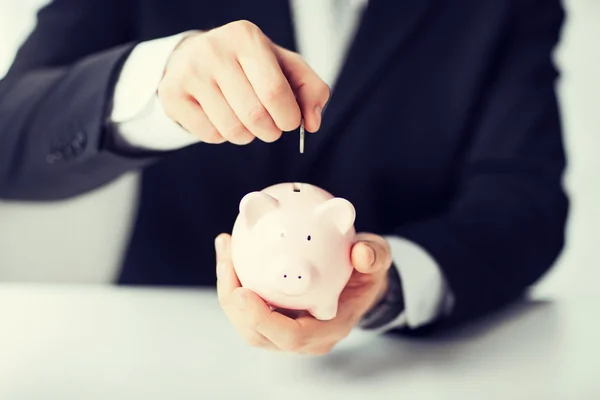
(371, 255)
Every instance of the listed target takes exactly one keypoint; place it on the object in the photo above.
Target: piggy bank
(291, 245)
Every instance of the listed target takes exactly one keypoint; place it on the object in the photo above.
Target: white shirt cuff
(137, 113)
(426, 295)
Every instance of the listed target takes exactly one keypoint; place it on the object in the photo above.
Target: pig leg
(325, 311)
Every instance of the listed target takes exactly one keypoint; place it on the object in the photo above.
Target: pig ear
(339, 211)
(255, 205)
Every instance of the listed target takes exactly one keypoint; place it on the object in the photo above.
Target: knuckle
(322, 349)
(211, 49)
(235, 131)
(257, 114)
(212, 45)
(324, 91)
(238, 134)
(168, 92)
(171, 111)
(254, 322)
(191, 125)
(342, 334)
(293, 343)
(211, 135)
(254, 340)
(244, 27)
(277, 89)
(181, 65)
(191, 70)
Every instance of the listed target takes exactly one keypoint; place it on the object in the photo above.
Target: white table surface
(99, 342)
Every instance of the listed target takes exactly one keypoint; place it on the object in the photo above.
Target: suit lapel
(385, 25)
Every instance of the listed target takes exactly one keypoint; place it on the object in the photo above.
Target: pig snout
(293, 278)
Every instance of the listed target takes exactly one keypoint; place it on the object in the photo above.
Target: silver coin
(302, 137)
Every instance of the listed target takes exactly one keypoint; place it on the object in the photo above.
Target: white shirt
(325, 29)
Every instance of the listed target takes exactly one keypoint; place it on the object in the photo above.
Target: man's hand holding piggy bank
(293, 247)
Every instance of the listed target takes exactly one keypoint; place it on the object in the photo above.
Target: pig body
(291, 245)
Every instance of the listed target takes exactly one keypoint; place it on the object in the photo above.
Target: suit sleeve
(55, 99)
(504, 227)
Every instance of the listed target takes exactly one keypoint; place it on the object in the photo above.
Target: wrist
(182, 41)
(140, 121)
(383, 289)
(389, 303)
(140, 77)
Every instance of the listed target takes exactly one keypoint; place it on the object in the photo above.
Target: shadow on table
(516, 334)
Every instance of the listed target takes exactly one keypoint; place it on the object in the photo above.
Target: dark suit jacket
(444, 129)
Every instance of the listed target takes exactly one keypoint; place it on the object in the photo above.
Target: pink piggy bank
(291, 245)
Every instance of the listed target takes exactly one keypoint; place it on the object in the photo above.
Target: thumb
(368, 257)
(312, 93)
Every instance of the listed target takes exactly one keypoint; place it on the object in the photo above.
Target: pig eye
(308, 238)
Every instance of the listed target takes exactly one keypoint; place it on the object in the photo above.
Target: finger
(304, 334)
(239, 322)
(319, 349)
(222, 248)
(240, 95)
(331, 331)
(270, 84)
(227, 283)
(208, 94)
(369, 256)
(227, 280)
(190, 116)
(255, 339)
(312, 93)
(363, 257)
(285, 333)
